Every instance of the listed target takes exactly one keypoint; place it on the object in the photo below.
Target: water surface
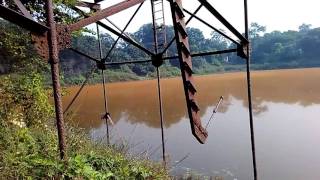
(286, 120)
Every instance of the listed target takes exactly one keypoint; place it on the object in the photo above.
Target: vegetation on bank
(28, 141)
(273, 50)
(28, 137)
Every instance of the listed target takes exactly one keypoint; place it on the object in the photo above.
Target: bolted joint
(157, 60)
(101, 66)
(243, 50)
(106, 116)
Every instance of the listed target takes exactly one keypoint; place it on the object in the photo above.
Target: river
(286, 121)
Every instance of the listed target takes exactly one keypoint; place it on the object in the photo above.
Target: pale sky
(275, 14)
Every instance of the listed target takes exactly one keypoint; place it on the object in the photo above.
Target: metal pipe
(255, 175)
(54, 62)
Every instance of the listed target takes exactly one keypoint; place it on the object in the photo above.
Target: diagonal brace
(125, 38)
(214, 12)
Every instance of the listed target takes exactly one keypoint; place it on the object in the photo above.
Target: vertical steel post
(104, 86)
(161, 119)
(54, 62)
(249, 91)
(155, 38)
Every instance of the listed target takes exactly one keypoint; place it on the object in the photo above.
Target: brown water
(286, 120)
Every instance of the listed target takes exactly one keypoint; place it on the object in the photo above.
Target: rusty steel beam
(54, 62)
(22, 21)
(93, 6)
(23, 9)
(182, 41)
(104, 13)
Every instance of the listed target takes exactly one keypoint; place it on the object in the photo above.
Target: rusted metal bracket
(186, 71)
(157, 60)
(243, 50)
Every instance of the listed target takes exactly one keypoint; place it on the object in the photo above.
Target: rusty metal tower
(51, 38)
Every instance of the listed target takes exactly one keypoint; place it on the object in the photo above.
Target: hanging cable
(161, 118)
(157, 61)
(106, 115)
(214, 111)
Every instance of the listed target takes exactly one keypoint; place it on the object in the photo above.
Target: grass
(29, 145)
(32, 153)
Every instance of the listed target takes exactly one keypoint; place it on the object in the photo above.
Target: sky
(279, 15)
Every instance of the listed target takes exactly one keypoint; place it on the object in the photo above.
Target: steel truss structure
(51, 38)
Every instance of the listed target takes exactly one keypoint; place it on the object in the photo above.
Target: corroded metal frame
(50, 39)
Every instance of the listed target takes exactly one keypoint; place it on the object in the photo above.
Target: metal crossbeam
(22, 21)
(104, 13)
(205, 53)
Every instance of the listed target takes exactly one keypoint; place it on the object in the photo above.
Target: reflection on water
(286, 105)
